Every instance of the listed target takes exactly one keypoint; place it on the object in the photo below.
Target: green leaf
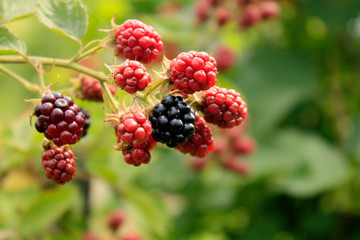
(15, 9)
(301, 164)
(46, 209)
(9, 43)
(68, 17)
(149, 211)
(273, 83)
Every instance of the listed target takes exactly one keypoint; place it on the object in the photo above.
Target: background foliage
(300, 77)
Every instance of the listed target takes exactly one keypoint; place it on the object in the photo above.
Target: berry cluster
(138, 41)
(132, 77)
(191, 75)
(168, 119)
(59, 119)
(91, 89)
(251, 12)
(172, 121)
(62, 123)
(232, 145)
(193, 71)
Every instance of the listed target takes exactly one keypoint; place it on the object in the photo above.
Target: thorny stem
(32, 87)
(57, 62)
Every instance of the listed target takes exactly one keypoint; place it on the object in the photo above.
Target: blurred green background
(300, 77)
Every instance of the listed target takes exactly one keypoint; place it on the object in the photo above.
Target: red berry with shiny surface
(224, 107)
(201, 142)
(138, 41)
(193, 71)
(132, 77)
(134, 126)
(59, 165)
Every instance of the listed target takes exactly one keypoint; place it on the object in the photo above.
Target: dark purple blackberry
(172, 121)
(87, 122)
(59, 119)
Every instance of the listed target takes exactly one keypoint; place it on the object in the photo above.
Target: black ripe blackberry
(59, 119)
(87, 122)
(172, 121)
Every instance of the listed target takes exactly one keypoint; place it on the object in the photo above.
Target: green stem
(89, 52)
(95, 49)
(144, 98)
(30, 86)
(41, 77)
(108, 97)
(57, 62)
(153, 86)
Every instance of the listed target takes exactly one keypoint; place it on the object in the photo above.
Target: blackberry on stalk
(172, 121)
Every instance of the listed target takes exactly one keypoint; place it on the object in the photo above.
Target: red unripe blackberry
(202, 10)
(134, 126)
(201, 143)
(59, 119)
(139, 152)
(91, 89)
(222, 15)
(172, 121)
(131, 236)
(269, 9)
(250, 16)
(115, 220)
(138, 41)
(193, 71)
(59, 165)
(224, 107)
(225, 58)
(132, 77)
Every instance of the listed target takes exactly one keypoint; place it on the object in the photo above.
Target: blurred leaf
(9, 43)
(150, 210)
(46, 209)
(273, 82)
(303, 164)
(335, 13)
(354, 139)
(68, 17)
(14, 9)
